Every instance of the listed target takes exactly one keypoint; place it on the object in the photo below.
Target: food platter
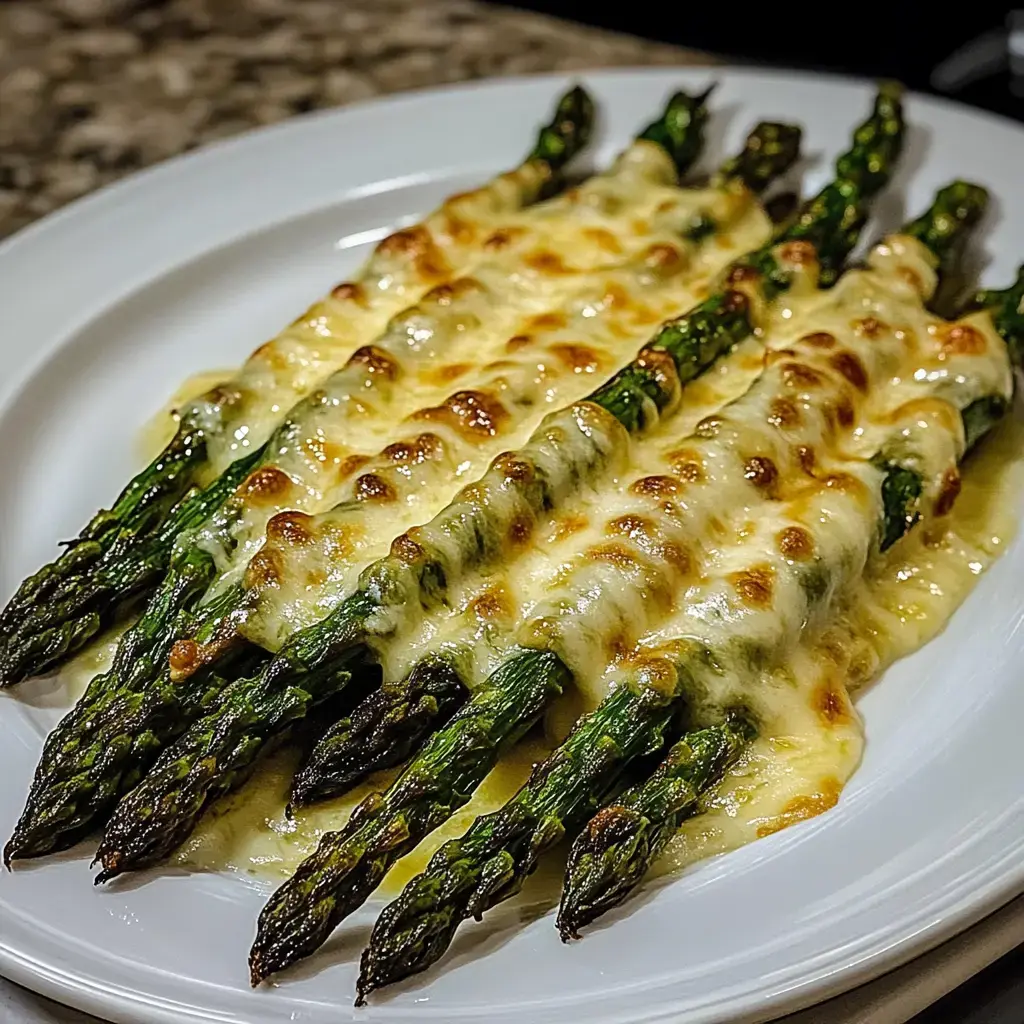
(110, 304)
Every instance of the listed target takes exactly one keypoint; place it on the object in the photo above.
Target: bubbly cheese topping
(389, 439)
(798, 766)
(621, 554)
(632, 205)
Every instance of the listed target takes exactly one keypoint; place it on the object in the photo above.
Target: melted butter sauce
(159, 430)
(250, 834)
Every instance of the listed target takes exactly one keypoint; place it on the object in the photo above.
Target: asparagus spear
(80, 791)
(77, 606)
(570, 449)
(489, 863)
(612, 854)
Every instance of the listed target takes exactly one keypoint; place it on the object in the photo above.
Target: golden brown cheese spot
(795, 543)
(271, 353)
(615, 296)
(290, 528)
(742, 273)
(662, 258)
(554, 321)
(223, 396)
(602, 238)
(801, 375)
(471, 413)
(264, 569)
(912, 277)
(520, 530)
(819, 339)
(315, 578)
(849, 366)
(637, 527)
(962, 340)
(458, 228)
(371, 487)
(494, 603)
(545, 261)
(375, 361)
(512, 468)
(656, 486)
(660, 365)
(776, 355)
(844, 482)
(830, 703)
(688, 465)
(754, 586)
(802, 808)
(406, 549)
(614, 554)
(708, 427)
(577, 357)
(266, 484)
(349, 291)
(416, 245)
(504, 237)
(761, 472)
(840, 413)
(445, 294)
(351, 464)
(659, 673)
(783, 413)
(184, 658)
(518, 342)
(677, 556)
(949, 491)
(421, 448)
(799, 253)
(869, 327)
(567, 526)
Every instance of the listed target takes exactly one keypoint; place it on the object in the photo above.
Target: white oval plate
(109, 304)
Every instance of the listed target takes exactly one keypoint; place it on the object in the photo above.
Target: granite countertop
(91, 90)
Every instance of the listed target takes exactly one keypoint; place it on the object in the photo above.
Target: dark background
(905, 41)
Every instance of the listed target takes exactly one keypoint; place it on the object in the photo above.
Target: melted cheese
(788, 776)
(389, 442)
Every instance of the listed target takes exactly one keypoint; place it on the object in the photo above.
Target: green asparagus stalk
(348, 865)
(392, 722)
(489, 863)
(611, 855)
(82, 788)
(58, 609)
(570, 449)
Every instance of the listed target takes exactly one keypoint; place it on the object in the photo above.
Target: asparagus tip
(603, 868)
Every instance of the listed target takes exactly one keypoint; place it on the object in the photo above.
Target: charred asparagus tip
(598, 862)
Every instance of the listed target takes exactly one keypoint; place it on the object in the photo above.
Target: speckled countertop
(91, 90)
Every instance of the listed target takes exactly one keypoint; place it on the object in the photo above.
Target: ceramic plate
(109, 304)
